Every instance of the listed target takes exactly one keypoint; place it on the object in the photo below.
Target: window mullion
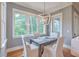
(28, 24)
(31, 25)
(37, 24)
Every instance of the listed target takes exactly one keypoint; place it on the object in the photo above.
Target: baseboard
(20, 47)
(67, 46)
(3, 43)
(14, 48)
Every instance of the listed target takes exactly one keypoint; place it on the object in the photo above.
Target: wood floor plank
(18, 53)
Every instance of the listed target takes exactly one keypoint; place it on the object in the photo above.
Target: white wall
(66, 24)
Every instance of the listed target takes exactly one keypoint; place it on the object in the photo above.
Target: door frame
(61, 17)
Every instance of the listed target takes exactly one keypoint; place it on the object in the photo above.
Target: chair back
(59, 47)
(29, 49)
(25, 46)
(37, 34)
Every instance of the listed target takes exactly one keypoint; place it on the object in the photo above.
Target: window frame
(61, 18)
(21, 12)
(27, 14)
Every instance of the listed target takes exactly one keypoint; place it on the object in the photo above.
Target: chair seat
(49, 51)
(74, 46)
(33, 53)
(51, 46)
(32, 46)
(55, 50)
(75, 43)
(33, 50)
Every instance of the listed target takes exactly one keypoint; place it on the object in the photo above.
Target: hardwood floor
(18, 53)
(67, 52)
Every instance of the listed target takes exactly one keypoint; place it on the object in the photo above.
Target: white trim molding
(3, 44)
(61, 20)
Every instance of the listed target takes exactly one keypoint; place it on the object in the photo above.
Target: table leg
(30, 41)
(41, 49)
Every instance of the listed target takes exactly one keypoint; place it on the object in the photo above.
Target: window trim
(18, 11)
(22, 12)
(25, 13)
(61, 18)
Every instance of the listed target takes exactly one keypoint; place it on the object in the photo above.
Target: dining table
(41, 42)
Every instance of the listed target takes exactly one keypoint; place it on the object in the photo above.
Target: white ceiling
(49, 6)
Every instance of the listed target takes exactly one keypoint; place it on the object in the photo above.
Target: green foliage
(20, 27)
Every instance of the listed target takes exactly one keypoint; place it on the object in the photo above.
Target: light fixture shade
(46, 20)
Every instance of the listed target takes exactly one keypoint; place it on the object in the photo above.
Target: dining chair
(36, 34)
(55, 50)
(24, 47)
(53, 35)
(74, 46)
(30, 50)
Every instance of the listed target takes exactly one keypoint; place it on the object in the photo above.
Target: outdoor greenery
(56, 24)
(25, 26)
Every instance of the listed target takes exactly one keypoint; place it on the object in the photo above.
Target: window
(41, 27)
(33, 24)
(36, 25)
(19, 24)
(56, 24)
(25, 24)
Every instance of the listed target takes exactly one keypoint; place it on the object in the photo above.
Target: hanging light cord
(44, 7)
(44, 13)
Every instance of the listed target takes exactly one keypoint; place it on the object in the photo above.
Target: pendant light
(46, 17)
